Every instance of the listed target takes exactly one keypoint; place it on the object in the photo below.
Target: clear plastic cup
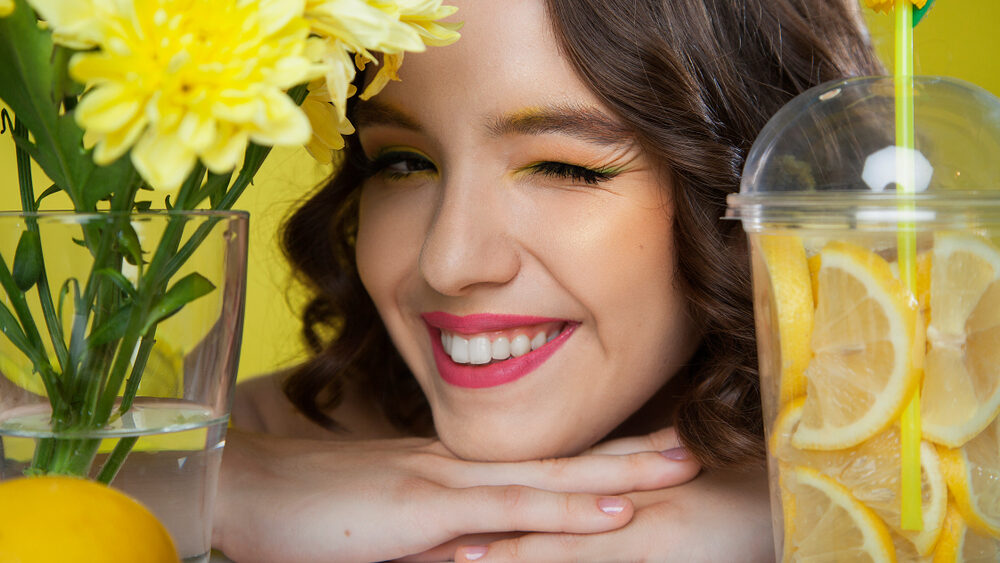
(878, 321)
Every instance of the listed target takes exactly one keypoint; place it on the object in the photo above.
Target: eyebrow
(373, 112)
(583, 122)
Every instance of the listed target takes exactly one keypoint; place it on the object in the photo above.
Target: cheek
(621, 265)
(389, 240)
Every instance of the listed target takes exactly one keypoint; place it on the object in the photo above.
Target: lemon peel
(792, 298)
(53, 519)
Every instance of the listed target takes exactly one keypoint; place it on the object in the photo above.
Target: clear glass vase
(119, 354)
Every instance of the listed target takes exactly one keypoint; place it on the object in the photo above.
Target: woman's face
(517, 242)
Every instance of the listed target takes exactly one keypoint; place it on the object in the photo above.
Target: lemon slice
(866, 349)
(961, 392)
(792, 311)
(973, 476)
(828, 524)
(871, 472)
(960, 543)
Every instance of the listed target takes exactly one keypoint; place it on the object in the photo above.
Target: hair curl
(696, 80)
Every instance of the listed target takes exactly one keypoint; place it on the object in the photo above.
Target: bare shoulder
(260, 405)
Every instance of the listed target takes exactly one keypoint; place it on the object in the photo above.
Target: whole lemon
(60, 519)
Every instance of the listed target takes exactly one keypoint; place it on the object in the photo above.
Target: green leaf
(128, 244)
(118, 279)
(187, 289)
(48, 191)
(12, 331)
(27, 261)
(919, 14)
(64, 291)
(112, 329)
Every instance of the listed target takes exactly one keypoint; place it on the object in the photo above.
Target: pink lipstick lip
(491, 375)
(482, 322)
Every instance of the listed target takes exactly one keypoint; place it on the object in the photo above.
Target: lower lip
(490, 375)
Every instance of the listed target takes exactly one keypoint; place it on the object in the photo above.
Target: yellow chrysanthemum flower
(361, 28)
(6, 7)
(182, 80)
(885, 6)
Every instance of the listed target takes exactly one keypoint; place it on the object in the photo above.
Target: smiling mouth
(498, 346)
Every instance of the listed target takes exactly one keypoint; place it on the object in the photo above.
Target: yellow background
(957, 38)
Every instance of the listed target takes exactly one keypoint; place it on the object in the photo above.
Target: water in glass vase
(172, 469)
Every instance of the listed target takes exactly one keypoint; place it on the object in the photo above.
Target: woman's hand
(719, 516)
(303, 500)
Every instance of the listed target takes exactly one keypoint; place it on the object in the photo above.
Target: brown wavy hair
(695, 80)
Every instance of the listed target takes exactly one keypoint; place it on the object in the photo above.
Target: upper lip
(481, 322)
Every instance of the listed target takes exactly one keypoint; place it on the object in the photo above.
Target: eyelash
(416, 163)
(383, 163)
(573, 172)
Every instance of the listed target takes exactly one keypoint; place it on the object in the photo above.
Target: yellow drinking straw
(904, 21)
(911, 514)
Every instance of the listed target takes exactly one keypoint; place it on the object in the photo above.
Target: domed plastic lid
(829, 158)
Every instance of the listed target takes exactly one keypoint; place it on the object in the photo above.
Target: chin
(513, 445)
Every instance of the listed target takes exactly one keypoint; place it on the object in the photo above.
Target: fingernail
(680, 453)
(474, 552)
(611, 505)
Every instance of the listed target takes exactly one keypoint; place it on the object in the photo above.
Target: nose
(470, 243)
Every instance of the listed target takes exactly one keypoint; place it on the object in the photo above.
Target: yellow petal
(885, 6)
(283, 122)
(390, 66)
(439, 34)
(77, 24)
(162, 160)
(111, 146)
(360, 25)
(197, 132)
(340, 73)
(327, 127)
(96, 67)
(6, 7)
(235, 107)
(106, 108)
(276, 14)
(225, 153)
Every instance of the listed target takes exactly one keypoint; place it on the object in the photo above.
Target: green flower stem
(115, 460)
(44, 293)
(141, 357)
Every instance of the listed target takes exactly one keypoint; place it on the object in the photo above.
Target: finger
(514, 507)
(595, 474)
(547, 547)
(445, 551)
(659, 441)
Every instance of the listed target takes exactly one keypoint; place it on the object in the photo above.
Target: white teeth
(501, 348)
(480, 351)
(538, 341)
(459, 350)
(520, 345)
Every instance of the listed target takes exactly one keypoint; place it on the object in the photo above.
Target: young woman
(521, 258)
